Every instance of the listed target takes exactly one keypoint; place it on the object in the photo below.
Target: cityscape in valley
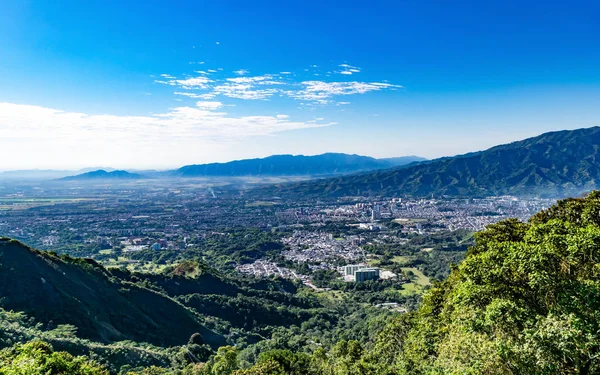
(132, 223)
(299, 188)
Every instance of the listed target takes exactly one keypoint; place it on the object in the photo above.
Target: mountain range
(101, 174)
(327, 164)
(46, 174)
(553, 164)
(293, 165)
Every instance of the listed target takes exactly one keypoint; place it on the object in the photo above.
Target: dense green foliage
(221, 250)
(441, 250)
(38, 358)
(75, 302)
(555, 164)
(63, 290)
(524, 301)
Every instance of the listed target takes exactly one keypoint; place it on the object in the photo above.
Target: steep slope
(526, 300)
(62, 290)
(556, 164)
(104, 175)
(251, 304)
(289, 165)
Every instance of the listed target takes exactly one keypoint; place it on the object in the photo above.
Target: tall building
(365, 274)
(350, 269)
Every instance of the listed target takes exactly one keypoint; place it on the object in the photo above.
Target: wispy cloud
(196, 96)
(321, 92)
(211, 106)
(348, 69)
(188, 83)
(26, 122)
(266, 86)
(243, 91)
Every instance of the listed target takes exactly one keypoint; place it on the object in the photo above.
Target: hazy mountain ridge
(104, 175)
(275, 165)
(324, 164)
(556, 163)
(46, 174)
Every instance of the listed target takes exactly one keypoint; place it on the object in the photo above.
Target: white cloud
(241, 72)
(44, 135)
(196, 96)
(243, 91)
(38, 123)
(209, 105)
(265, 86)
(188, 83)
(348, 69)
(321, 92)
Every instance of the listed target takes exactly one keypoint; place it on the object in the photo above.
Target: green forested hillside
(526, 300)
(555, 164)
(62, 290)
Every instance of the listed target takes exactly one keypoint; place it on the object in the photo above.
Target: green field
(417, 286)
(420, 278)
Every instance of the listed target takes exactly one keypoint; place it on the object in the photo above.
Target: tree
(526, 300)
(225, 361)
(38, 358)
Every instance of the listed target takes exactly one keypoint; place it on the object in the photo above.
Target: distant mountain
(44, 174)
(293, 165)
(553, 164)
(62, 290)
(104, 175)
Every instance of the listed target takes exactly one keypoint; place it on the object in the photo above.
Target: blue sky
(159, 84)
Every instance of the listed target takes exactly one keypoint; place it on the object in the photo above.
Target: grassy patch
(420, 279)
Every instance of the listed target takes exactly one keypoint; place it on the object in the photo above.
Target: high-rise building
(365, 274)
(351, 269)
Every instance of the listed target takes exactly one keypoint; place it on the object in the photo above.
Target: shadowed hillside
(62, 290)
